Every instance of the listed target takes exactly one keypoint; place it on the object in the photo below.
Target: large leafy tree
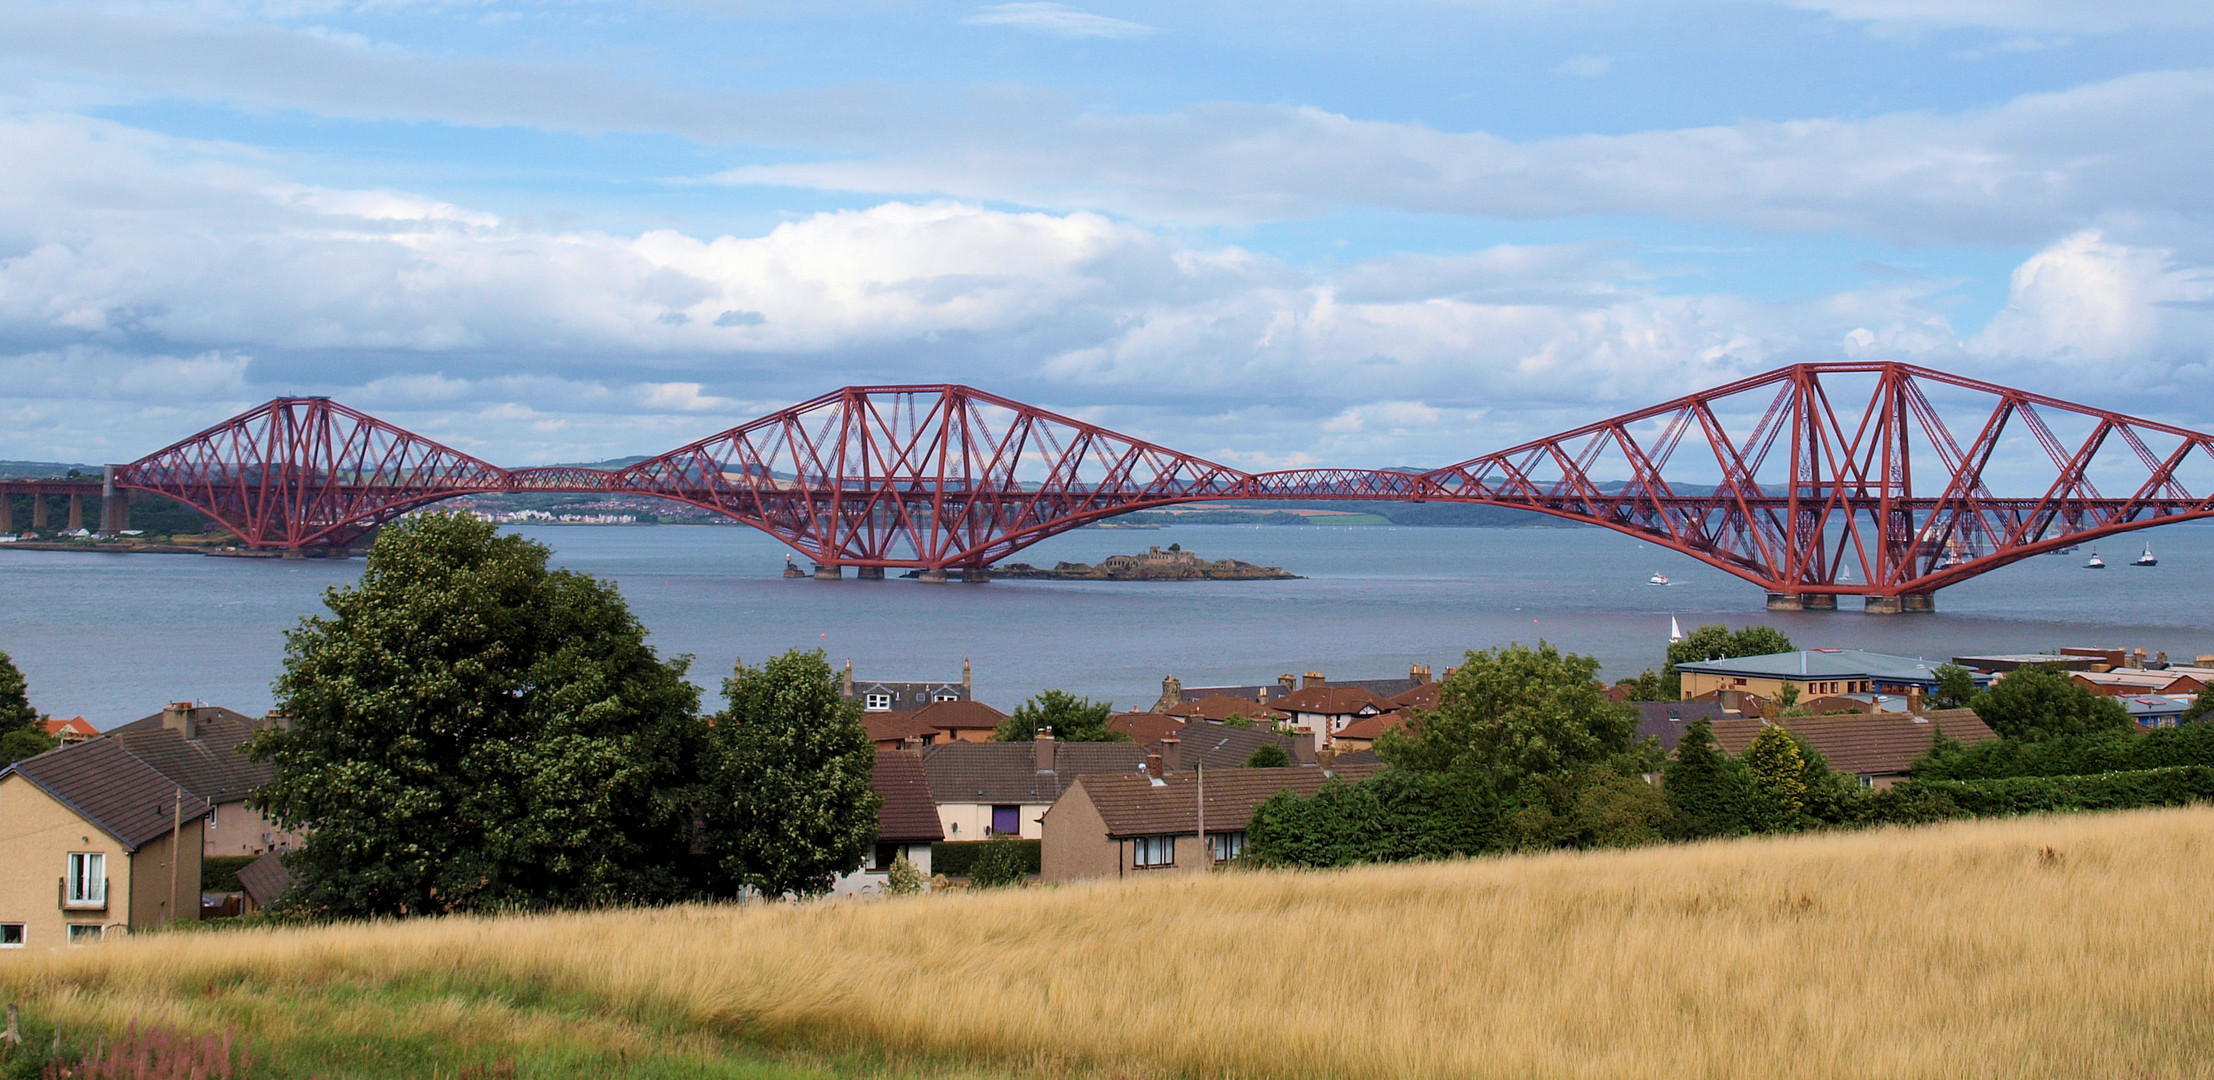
(470, 730)
(786, 803)
(2041, 702)
(1779, 778)
(1071, 718)
(1513, 713)
(1707, 792)
(1716, 641)
(1956, 687)
(20, 734)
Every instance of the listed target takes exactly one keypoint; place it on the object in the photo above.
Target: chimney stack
(1172, 753)
(1172, 693)
(1044, 746)
(1303, 751)
(178, 718)
(1153, 764)
(1327, 757)
(1314, 678)
(1287, 682)
(966, 685)
(1914, 700)
(2161, 661)
(849, 679)
(1420, 673)
(912, 742)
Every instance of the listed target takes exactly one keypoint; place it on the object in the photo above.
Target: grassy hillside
(2069, 946)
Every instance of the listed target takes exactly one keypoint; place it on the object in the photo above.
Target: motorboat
(1657, 579)
(2147, 558)
(2096, 563)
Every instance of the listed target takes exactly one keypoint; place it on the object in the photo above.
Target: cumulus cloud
(2037, 166)
(1059, 20)
(150, 286)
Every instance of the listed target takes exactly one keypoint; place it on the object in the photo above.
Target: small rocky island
(1174, 564)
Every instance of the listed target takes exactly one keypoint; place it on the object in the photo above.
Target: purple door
(1007, 821)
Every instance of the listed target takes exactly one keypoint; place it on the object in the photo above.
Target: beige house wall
(867, 882)
(152, 901)
(37, 833)
(1696, 683)
(242, 830)
(1074, 842)
(972, 821)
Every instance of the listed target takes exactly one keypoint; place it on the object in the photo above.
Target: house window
(11, 935)
(885, 855)
(1153, 851)
(877, 703)
(84, 933)
(1226, 846)
(211, 817)
(1007, 821)
(87, 883)
(947, 695)
(1867, 781)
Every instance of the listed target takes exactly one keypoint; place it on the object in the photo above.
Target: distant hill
(42, 470)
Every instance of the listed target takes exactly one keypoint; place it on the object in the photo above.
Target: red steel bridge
(1815, 481)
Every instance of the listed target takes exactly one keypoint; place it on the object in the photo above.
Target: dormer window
(877, 702)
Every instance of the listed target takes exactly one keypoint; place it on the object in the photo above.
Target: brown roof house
(1878, 748)
(961, 721)
(1001, 789)
(907, 823)
(203, 747)
(76, 729)
(93, 842)
(1321, 711)
(1120, 826)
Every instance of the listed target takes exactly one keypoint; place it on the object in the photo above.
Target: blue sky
(1399, 232)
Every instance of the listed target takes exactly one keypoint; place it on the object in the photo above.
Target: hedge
(219, 873)
(2173, 786)
(2079, 755)
(955, 858)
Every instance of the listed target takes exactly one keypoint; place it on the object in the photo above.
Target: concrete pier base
(869, 573)
(1784, 601)
(293, 553)
(1919, 603)
(76, 512)
(829, 573)
(976, 575)
(932, 577)
(1818, 601)
(38, 512)
(1880, 605)
(7, 513)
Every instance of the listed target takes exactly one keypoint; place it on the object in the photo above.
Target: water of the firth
(114, 636)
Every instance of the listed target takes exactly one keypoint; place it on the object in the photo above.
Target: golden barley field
(2064, 946)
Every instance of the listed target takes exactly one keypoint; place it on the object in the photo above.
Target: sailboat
(2147, 558)
(2096, 563)
(1675, 632)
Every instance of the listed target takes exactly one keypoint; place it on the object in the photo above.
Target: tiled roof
(212, 764)
(1225, 747)
(1383, 688)
(1882, 744)
(908, 812)
(1373, 727)
(960, 716)
(76, 724)
(1136, 806)
(1331, 701)
(1666, 720)
(895, 727)
(997, 772)
(1144, 727)
(1823, 664)
(111, 788)
(1424, 696)
(264, 879)
(1220, 707)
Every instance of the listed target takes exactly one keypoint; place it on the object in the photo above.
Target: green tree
(1512, 713)
(470, 730)
(1706, 791)
(1956, 687)
(1778, 773)
(1787, 698)
(1716, 641)
(1002, 862)
(902, 878)
(1071, 718)
(16, 712)
(25, 742)
(1267, 756)
(2201, 707)
(1649, 686)
(2041, 702)
(785, 800)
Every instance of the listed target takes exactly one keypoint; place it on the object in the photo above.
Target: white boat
(1657, 579)
(2147, 558)
(1675, 632)
(2096, 563)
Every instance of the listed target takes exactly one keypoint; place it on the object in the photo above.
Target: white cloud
(2037, 166)
(2088, 16)
(1059, 20)
(151, 286)
(1586, 65)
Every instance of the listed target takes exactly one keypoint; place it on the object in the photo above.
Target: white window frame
(1225, 846)
(1152, 852)
(86, 884)
(211, 815)
(87, 933)
(946, 695)
(878, 702)
(21, 932)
